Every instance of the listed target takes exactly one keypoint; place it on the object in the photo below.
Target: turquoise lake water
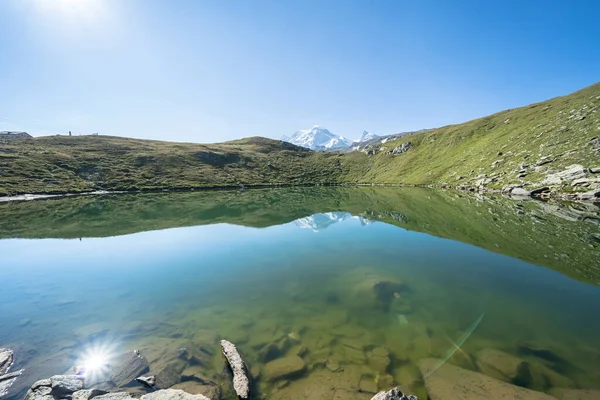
(333, 287)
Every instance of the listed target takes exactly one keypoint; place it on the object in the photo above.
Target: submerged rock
(575, 394)
(127, 367)
(114, 396)
(7, 380)
(241, 380)
(393, 394)
(170, 375)
(6, 360)
(148, 381)
(172, 394)
(212, 391)
(449, 382)
(503, 366)
(379, 359)
(284, 367)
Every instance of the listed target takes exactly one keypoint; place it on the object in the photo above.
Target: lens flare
(94, 362)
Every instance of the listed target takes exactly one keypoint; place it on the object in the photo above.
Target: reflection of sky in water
(51, 287)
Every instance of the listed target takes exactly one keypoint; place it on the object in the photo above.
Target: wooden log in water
(241, 379)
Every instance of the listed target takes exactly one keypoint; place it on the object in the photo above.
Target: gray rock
(87, 394)
(40, 390)
(7, 380)
(114, 396)
(6, 360)
(38, 396)
(595, 170)
(540, 190)
(586, 182)
(284, 367)
(545, 160)
(393, 394)
(127, 367)
(520, 192)
(403, 148)
(148, 381)
(41, 382)
(590, 195)
(64, 385)
(241, 381)
(172, 394)
(572, 172)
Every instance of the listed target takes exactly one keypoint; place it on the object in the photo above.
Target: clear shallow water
(339, 289)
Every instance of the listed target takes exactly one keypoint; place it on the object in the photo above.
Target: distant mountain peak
(366, 135)
(318, 138)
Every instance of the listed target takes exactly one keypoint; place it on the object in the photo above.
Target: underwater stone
(379, 359)
(241, 381)
(284, 367)
(212, 391)
(575, 394)
(367, 385)
(393, 394)
(127, 367)
(448, 380)
(148, 381)
(269, 352)
(6, 360)
(503, 366)
(170, 375)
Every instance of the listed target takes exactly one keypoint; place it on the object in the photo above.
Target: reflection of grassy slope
(560, 129)
(529, 230)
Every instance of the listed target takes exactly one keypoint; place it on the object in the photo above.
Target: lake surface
(360, 284)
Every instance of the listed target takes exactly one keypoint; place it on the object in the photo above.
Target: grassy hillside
(550, 136)
(513, 147)
(85, 163)
(564, 238)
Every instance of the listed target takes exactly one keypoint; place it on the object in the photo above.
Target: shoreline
(590, 197)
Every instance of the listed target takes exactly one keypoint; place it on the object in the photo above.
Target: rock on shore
(7, 379)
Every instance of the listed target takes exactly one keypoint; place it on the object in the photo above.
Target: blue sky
(206, 71)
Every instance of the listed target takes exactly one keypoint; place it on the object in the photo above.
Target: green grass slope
(85, 163)
(514, 147)
(550, 135)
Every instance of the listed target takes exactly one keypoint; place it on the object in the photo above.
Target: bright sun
(73, 10)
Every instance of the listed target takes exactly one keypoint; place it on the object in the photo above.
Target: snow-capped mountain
(366, 136)
(318, 222)
(318, 138)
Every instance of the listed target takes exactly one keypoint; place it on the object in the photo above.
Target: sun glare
(95, 361)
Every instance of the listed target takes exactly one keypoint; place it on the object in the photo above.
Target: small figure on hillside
(69, 133)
